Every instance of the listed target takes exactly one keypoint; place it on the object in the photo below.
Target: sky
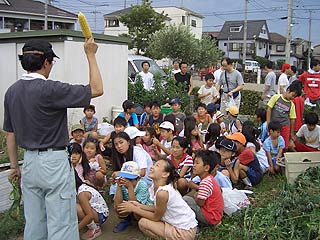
(216, 12)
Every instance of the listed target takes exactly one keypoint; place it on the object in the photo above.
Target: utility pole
(46, 15)
(95, 17)
(125, 4)
(309, 47)
(288, 40)
(245, 31)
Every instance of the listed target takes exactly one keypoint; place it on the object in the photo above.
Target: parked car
(134, 66)
(251, 66)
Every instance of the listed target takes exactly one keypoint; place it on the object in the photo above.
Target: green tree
(141, 22)
(178, 42)
(174, 42)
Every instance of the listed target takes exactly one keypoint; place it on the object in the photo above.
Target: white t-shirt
(174, 71)
(283, 81)
(178, 213)
(143, 159)
(312, 137)
(204, 90)
(217, 75)
(167, 145)
(147, 79)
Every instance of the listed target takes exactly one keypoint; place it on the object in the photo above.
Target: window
(280, 48)
(225, 44)
(263, 31)
(235, 29)
(193, 23)
(183, 20)
(235, 46)
(113, 23)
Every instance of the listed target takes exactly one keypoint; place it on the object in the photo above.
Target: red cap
(285, 66)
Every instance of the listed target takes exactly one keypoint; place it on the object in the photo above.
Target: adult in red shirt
(311, 82)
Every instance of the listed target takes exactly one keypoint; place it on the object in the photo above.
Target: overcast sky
(216, 12)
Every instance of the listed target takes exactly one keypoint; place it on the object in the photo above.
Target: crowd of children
(154, 154)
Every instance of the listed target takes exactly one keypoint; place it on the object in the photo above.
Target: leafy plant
(249, 101)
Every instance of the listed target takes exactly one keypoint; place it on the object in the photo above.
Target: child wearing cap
(282, 110)
(235, 124)
(130, 187)
(207, 92)
(89, 122)
(179, 116)
(167, 135)
(129, 113)
(229, 163)
(219, 119)
(283, 81)
(77, 133)
(250, 171)
(207, 203)
(274, 146)
(211, 110)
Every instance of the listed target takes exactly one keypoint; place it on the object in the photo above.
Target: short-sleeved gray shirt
(234, 79)
(36, 111)
(270, 80)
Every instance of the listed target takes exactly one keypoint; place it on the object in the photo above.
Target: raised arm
(95, 80)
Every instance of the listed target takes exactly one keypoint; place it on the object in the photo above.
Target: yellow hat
(233, 110)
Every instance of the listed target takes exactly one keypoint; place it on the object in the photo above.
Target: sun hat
(129, 170)
(219, 114)
(134, 132)
(167, 125)
(233, 110)
(237, 136)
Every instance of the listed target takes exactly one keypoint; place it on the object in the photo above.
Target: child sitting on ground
(212, 110)
(203, 119)
(193, 136)
(147, 112)
(182, 162)
(208, 202)
(260, 116)
(97, 164)
(156, 118)
(212, 135)
(167, 135)
(274, 146)
(89, 122)
(77, 133)
(92, 209)
(129, 113)
(219, 119)
(207, 92)
(147, 143)
(234, 124)
(310, 131)
(179, 116)
(119, 124)
(130, 187)
(79, 161)
(230, 165)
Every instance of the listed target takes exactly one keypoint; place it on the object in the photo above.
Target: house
(26, 15)
(231, 39)
(316, 52)
(176, 15)
(211, 35)
(72, 67)
(277, 46)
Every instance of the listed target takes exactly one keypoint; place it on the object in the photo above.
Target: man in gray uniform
(232, 83)
(35, 118)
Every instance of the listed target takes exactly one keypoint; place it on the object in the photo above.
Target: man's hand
(15, 174)
(230, 94)
(90, 47)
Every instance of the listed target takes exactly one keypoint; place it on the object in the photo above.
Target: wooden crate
(296, 163)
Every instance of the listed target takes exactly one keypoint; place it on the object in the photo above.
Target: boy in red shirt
(207, 202)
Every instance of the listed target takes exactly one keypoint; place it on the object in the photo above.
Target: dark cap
(175, 100)
(211, 107)
(226, 144)
(38, 46)
(127, 104)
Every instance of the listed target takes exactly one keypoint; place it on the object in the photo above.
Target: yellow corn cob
(84, 25)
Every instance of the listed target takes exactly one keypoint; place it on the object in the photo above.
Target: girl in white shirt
(170, 217)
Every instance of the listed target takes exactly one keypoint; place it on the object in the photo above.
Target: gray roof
(277, 38)
(117, 13)
(34, 7)
(254, 28)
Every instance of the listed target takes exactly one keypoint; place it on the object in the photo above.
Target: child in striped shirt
(207, 202)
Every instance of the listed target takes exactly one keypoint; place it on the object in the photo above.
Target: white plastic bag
(231, 102)
(234, 200)
(105, 128)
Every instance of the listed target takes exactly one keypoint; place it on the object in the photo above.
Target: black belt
(53, 149)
